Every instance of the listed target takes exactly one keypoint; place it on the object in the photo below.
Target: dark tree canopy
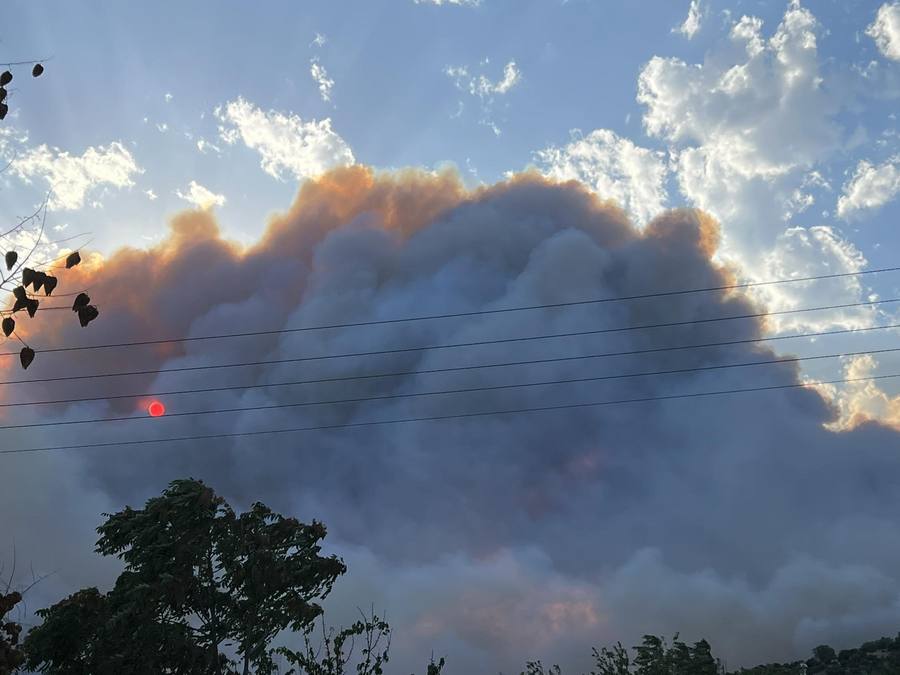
(196, 576)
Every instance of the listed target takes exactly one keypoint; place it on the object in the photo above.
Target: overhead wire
(632, 352)
(441, 392)
(482, 312)
(432, 418)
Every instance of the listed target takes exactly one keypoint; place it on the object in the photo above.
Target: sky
(320, 162)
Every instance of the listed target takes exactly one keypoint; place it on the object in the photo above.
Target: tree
(335, 651)
(20, 275)
(612, 661)
(11, 655)
(196, 577)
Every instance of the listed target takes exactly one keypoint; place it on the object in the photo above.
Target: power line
(557, 359)
(432, 418)
(548, 336)
(483, 312)
(465, 390)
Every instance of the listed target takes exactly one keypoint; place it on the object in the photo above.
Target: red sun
(156, 409)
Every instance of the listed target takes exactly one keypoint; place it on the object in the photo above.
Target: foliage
(28, 276)
(653, 656)
(196, 577)
(11, 655)
(333, 654)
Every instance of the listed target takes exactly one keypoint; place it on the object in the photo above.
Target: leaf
(37, 70)
(11, 257)
(27, 276)
(21, 303)
(82, 300)
(38, 281)
(72, 260)
(87, 314)
(9, 325)
(49, 284)
(5, 78)
(19, 292)
(3, 110)
(26, 356)
(3, 93)
(31, 305)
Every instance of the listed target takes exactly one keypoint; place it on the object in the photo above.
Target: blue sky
(777, 118)
(392, 101)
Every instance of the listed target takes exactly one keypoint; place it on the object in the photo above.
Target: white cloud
(320, 77)
(285, 142)
(746, 127)
(168, 97)
(692, 23)
(162, 127)
(151, 195)
(205, 146)
(870, 187)
(481, 86)
(466, 3)
(201, 197)
(319, 40)
(72, 178)
(885, 30)
(814, 251)
(615, 168)
(485, 89)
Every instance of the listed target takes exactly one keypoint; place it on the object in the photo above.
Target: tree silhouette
(196, 576)
(17, 277)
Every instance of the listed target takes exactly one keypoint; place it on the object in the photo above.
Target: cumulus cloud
(808, 252)
(870, 187)
(73, 178)
(151, 195)
(600, 523)
(320, 77)
(200, 196)
(691, 24)
(614, 167)
(750, 131)
(885, 30)
(286, 143)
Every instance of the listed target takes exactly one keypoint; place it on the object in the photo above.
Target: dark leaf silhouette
(9, 325)
(72, 260)
(37, 70)
(38, 281)
(27, 276)
(26, 356)
(21, 303)
(49, 284)
(32, 306)
(19, 292)
(3, 110)
(81, 301)
(3, 93)
(87, 314)
(5, 78)
(11, 257)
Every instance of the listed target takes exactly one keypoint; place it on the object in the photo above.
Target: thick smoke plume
(490, 539)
